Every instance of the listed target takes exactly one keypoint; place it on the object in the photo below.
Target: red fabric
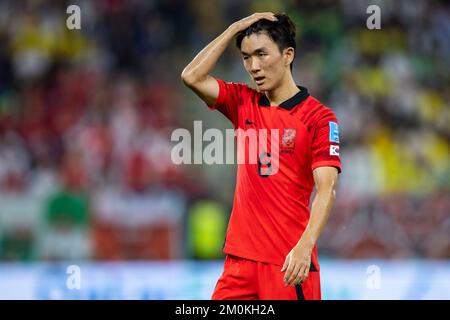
(271, 213)
(244, 279)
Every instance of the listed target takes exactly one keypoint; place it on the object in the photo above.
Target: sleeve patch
(334, 150)
(334, 132)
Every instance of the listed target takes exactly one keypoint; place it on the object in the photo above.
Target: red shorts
(244, 279)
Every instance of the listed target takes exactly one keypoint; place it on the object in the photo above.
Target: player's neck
(286, 90)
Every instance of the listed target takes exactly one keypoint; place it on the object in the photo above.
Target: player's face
(264, 62)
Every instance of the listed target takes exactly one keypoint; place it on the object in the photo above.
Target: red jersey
(271, 211)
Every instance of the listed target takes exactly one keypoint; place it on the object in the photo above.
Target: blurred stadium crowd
(86, 118)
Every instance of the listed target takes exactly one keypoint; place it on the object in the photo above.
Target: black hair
(282, 31)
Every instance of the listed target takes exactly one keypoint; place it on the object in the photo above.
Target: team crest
(288, 140)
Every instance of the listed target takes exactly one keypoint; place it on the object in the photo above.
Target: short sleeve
(230, 96)
(325, 142)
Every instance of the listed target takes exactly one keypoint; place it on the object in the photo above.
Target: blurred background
(86, 118)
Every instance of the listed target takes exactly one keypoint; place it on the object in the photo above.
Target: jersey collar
(290, 103)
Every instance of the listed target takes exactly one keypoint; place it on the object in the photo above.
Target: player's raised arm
(196, 74)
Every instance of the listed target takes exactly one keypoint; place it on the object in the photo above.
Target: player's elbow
(188, 77)
(193, 78)
(333, 194)
(327, 191)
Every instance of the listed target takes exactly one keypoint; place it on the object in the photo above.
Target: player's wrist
(307, 240)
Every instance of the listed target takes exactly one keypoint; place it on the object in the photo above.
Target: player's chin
(263, 86)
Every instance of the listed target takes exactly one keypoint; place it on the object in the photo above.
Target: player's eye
(245, 57)
(261, 54)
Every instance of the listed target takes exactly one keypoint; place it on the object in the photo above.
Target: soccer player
(272, 233)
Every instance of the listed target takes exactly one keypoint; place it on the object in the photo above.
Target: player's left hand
(297, 264)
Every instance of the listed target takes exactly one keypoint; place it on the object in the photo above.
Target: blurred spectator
(206, 229)
(65, 232)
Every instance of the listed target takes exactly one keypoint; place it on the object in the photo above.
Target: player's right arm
(197, 76)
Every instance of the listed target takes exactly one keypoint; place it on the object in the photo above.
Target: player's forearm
(320, 211)
(204, 62)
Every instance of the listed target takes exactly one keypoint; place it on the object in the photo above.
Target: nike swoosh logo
(247, 121)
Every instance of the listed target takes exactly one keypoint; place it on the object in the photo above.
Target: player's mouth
(259, 80)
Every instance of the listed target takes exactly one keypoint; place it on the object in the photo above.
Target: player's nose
(254, 66)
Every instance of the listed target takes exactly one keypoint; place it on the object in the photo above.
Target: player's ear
(288, 55)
